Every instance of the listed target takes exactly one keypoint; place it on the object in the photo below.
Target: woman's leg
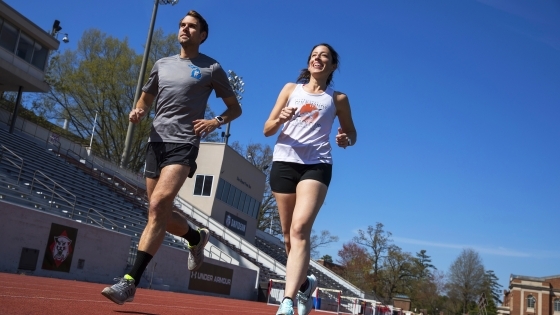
(286, 204)
(310, 195)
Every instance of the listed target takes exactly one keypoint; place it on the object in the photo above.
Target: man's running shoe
(122, 291)
(196, 256)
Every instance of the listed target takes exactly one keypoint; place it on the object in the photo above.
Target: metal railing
(20, 167)
(53, 190)
(215, 252)
(244, 245)
(101, 221)
(77, 157)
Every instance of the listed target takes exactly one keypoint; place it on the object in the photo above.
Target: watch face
(220, 119)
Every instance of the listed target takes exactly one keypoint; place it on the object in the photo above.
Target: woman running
(302, 163)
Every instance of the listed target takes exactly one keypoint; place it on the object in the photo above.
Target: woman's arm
(347, 134)
(280, 113)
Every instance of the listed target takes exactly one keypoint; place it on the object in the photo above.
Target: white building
(227, 188)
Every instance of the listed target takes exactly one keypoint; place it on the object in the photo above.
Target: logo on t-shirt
(309, 113)
(195, 73)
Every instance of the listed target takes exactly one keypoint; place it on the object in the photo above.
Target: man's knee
(160, 207)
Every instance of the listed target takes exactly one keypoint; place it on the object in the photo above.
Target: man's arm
(142, 107)
(202, 127)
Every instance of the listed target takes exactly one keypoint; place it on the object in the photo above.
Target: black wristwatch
(220, 120)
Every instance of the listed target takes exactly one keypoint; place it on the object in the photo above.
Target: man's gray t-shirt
(182, 88)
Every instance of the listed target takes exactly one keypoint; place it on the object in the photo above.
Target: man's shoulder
(207, 61)
(168, 59)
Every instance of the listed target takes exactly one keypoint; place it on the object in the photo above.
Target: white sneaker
(304, 300)
(286, 307)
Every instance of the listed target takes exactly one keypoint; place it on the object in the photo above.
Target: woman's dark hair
(305, 75)
(201, 20)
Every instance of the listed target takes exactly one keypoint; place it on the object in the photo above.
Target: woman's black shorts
(284, 176)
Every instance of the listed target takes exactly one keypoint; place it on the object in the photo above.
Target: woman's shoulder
(289, 87)
(339, 96)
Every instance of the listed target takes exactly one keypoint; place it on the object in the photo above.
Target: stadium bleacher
(86, 192)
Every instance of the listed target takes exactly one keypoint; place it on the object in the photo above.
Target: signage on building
(235, 223)
(211, 278)
(243, 182)
(60, 248)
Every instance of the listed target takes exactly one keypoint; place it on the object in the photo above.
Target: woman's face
(320, 61)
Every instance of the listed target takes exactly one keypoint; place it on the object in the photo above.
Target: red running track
(23, 294)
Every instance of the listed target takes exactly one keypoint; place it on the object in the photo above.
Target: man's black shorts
(161, 154)
(284, 176)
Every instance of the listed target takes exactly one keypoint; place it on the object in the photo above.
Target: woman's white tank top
(305, 138)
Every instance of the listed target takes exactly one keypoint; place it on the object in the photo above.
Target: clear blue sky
(457, 106)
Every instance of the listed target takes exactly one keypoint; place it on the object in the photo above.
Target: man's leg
(161, 196)
(161, 193)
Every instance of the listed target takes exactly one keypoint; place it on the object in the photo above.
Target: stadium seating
(86, 192)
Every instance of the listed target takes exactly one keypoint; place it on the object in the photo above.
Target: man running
(181, 86)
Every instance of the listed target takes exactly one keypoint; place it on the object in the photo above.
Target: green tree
(492, 290)
(327, 258)
(100, 76)
(397, 273)
(423, 264)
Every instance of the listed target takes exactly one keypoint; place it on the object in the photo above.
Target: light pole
(237, 84)
(92, 133)
(130, 132)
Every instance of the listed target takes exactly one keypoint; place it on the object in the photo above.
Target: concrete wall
(171, 268)
(104, 252)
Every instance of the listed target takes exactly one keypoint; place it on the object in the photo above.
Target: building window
(236, 198)
(40, 55)
(203, 185)
(531, 301)
(25, 48)
(557, 305)
(8, 36)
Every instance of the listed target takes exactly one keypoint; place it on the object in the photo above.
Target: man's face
(189, 32)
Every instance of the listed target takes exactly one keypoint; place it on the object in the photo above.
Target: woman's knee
(300, 231)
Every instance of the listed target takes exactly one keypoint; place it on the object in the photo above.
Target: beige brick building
(531, 296)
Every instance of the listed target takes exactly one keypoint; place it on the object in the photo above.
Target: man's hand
(342, 139)
(136, 115)
(203, 127)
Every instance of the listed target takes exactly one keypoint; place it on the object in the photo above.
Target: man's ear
(204, 36)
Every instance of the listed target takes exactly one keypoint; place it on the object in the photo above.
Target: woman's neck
(315, 86)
